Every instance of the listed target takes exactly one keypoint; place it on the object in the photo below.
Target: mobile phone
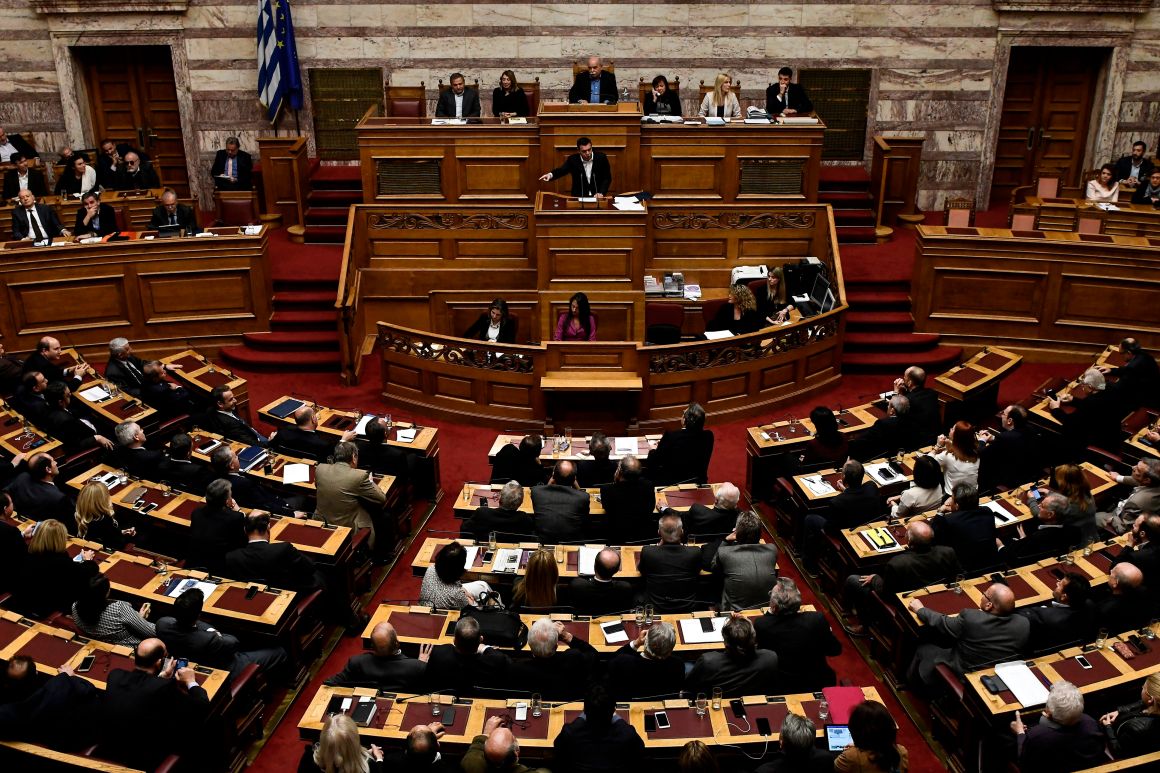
(448, 718)
(763, 726)
(994, 684)
(484, 502)
(663, 720)
(86, 663)
(521, 712)
(1138, 643)
(707, 624)
(650, 723)
(1083, 662)
(182, 663)
(738, 708)
(488, 555)
(149, 507)
(886, 473)
(251, 592)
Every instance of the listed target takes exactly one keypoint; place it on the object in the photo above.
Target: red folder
(842, 701)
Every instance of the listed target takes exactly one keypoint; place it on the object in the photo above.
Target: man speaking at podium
(594, 87)
(591, 173)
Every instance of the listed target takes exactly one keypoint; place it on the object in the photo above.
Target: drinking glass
(560, 554)
(1101, 638)
(638, 613)
(537, 705)
(467, 492)
(568, 438)
(1152, 626)
(648, 614)
(436, 707)
(823, 711)
(390, 424)
(701, 704)
(716, 699)
(958, 585)
(491, 541)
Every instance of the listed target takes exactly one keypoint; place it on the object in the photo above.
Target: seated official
(134, 457)
(721, 102)
(799, 752)
(339, 749)
(216, 528)
(925, 415)
(50, 580)
(1067, 620)
(599, 470)
(1064, 739)
(1103, 189)
(670, 569)
(48, 359)
(95, 218)
(1123, 604)
(773, 299)
(11, 144)
(1094, 419)
(76, 433)
(1134, 169)
(495, 751)
(137, 174)
(599, 739)
(591, 173)
(739, 316)
(742, 669)
(957, 453)
(1077, 508)
(304, 440)
(98, 616)
(224, 464)
(468, 665)
(595, 86)
(787, 98)
(508, 100)
(96, 519)
(802, 640)
(232, 168)
(578, 323)
(505, 521)
(1148, 192)
(857, 502)
(384, 667)
(601, 594)
(968, 528)
(178, 470)
(1134, 729)
(828, 443)
(1010, 457)
(34, 222)
(110, 159)
(748, 569)
(28, 400)
(1144, 498)
(682, 456)
(78, 179)
(553, 673)
(1139, 377)
(166, 397)
(660, 100)
(458, 101)
(629, 504)
(717, 521)
(35, 494)
(186, 636)
(376, 454)
(278, 564)
(1143, 549)
(23, 178)
(520, 462)
(495, 325)
(170, 214)
(889, 435)
(875, 748)
(560, 507)
(1053, 537)
(12, 547)
(443, 587)
(645, 668)
(223, 419)
(536, 590)
(925, 492)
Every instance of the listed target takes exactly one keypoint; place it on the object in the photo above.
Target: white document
(616, 637)
(692, 634)
(205, 233)
(887, 479)
(801, 298)
(713, 120)
(818, 486)
(1020, 680)
(1002, 517)
(206, 588)
(296, 473)
(517, 120)
(587, 563)
(717, 335)
(361, 427)
(758, 120)
(586, 199)
(251, 230)
(472, 552)
(507, 560)
(627, 205)
(624, 446)
(407, 435)
(693, 292)
(94, 394)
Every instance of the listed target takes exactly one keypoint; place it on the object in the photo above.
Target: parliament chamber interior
(717, 387)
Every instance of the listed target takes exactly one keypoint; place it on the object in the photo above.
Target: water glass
(716, 699)
(1151, 633)
(638, 613)
(389, 422)
(537, 706)
(1101, 638)
(648, 614)
(436, 706)
(824, 711)
(467, 492)
(701, 704)
(568, 438)
(560, 553)
(491, 541)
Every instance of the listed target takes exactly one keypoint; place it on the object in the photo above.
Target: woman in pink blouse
(576, 324)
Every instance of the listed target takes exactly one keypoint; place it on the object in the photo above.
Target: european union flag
(279, 80)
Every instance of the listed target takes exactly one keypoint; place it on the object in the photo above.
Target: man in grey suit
(1145, 497)
(981, 636)
(458, 101)
(749, 568)
(346, 494)
(561, 507)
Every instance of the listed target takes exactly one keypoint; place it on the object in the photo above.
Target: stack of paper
(587, 564)
(627, 204)
(614, 632)
(206, 588)
(883, 474)
(1001, 515)
(692, 632)
(296, 473)
(361, 427)
(1022, 682)
(625, 446)
(472, 552)
(94, 394)
(507, 560)
(693, 292)
(717, 335)
(818, 486)
(406, 435)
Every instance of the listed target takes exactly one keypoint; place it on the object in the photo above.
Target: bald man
(1124, 605)
(385, 666)
(560, 508)
(304, 439)
(421, 752)
(496, 751)
(981, 637)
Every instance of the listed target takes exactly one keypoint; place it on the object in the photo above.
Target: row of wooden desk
(138, 207)
(680, 498)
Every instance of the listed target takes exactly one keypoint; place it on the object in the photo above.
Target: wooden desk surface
(578, 451)
(681, 497)
(199, 374)
(1136, 441)
(398, 712)
(787, 434)
(19, 437)
(334, 421)
(988, 365)
(822, 485)
(113, 408)
(1111, 357)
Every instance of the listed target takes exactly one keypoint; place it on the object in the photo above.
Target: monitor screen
(818, 292)
(838, 737)
(828, 302)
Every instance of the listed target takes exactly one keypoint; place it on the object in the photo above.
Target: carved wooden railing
(894, 171)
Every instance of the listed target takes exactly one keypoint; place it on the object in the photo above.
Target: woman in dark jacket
(1135, 729)
(661, 101)
(51, 580)
(828, 443)
(495, 325)
(740, 315)
(508, 100)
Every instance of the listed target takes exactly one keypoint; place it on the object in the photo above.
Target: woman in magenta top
(576, 324)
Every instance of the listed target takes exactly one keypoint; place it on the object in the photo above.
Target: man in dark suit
(77, 434)
(110, 161)
(224, 464)
(166, 397)
(520, 463)
(232, 168)
(1009, 458)
(787, 98)
(921, 564)
(1053, 537)
(1123, 604)
(554, 674)
(682, 456)
(94, 218)
(161, 703)
(594, 86)
(856, 503)
(802, 640)
(124, 368)
(560, 507)
(599, 739)
(304, 440)
(178, 469)
(458, 101)
(799, 752)
(1094, 419)
(34, 222)
(275, 563)
(188, 637)
(1143, 549)
(590, 170)
(644, 668)
(747, 568)
(11, 144)
(1139, 377)
(223, 419)
(1136, 168)
(139, 175)
(139, 461)
(29, 397)
(22, 178)
(505, 521)
(925, 420)
(888, 435)
(169, 213)
(1066, 620)
(670, 569)
(13, 549)
(599, 470)
(717, 521)
(981, 636)
(629, 503)
(48, 359)
(385, 666)
(468, 665)
(601, 594)
(742, 669)
(969, 529)
(216, 528)
(1064, 739)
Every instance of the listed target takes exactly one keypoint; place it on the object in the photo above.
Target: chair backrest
(532, 92)
(122, 218)
(1023, 221)
(705, 89)
(407, 101)
(581, 65)
(236, 207)
(644, 87)
(664, 314)
(710, 308)
(959, 212)
(444, 86)
(1047, 186)
(1087, 224)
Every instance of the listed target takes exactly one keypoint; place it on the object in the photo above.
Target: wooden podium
(588, 245)
(613, 129)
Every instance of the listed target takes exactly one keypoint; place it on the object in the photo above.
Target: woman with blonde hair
(50, 581)
(957, 453)
(339, 750)
(537, 589)
(1135, 729)
(696, 757)
(739, 316)
(721, 102)
(95, 521)
(773, 300)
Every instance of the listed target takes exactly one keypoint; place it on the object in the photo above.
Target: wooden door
(134, 100)
(1046, 110)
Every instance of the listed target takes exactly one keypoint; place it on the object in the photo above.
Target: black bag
(499, 627)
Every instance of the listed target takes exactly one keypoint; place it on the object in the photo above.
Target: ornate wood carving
(471, 357)
(452, 221)
(665, 221)
(732, 351)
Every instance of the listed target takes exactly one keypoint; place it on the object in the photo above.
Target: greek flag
(278, 78)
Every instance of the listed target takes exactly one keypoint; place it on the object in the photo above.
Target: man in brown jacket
(346, 495)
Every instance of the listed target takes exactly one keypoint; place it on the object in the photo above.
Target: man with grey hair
(507, 522)
(670, 569)
(138, 461)
(595, 86)
(1052, 538)
(644, 668)
(124, 368)
(347, 496)
(1144, 498)
(682, 456)
(555, 675)
(717, 521)
(601, 594)
(1064, 739)
(747, 567)
(495, 751)
(802, 640)
(224, 463)
(137, 174)
(892, 432)
(1093, 419)
(600, 469)
(629, 504)
(799, 751)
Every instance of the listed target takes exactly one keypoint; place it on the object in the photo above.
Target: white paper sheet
(1020, 680)
(717, 335)
(1001, 516)
(296, 473)
(692, 634)
(875, 471)
(628, 205)
(406, 435)
(507, 560)
(619, 637)
(625, 446)
(206, 588)
(361, 427)
(472, 552)
(817, 486)
(94, 394)
(587, 563)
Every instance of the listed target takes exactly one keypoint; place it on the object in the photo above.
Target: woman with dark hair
(958, 456)
(443, 587)
(114, 622)
(508, 100)
(828, 444)
(661, 101)
(874, 734)
(739, 316)
(925, 492)
(1103, 189)
(78, 178)
(773, 301)
(494, 325)
(576, 324)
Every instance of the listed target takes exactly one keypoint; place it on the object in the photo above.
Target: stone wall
(937, 68)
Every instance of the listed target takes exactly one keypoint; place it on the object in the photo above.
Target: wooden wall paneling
(619, 314)
(616, 133)
(454, 311)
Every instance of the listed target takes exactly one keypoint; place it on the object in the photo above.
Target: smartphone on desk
(86, 664)
(663, 720)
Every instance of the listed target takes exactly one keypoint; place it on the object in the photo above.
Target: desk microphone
(429, 695)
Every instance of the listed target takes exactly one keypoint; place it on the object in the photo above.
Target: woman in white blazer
(721, 101)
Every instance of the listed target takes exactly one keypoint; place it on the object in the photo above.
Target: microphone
(429, 695)
(306, 398)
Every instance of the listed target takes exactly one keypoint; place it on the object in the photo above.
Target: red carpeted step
(326, 215)
(860, 299)
(940, 357)
(856, 234)
(304, 340)
(843, 175)
(255, 359)
(844, 199)
(336, 176)
(877, 341)
(844, 217)
(879, 319)
(325, 234)
(334, 198)
(299, 319)
(298, 298)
